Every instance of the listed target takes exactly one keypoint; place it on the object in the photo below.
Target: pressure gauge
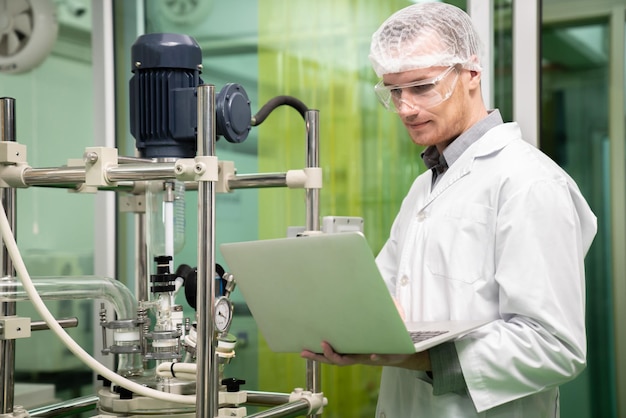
(223, 314)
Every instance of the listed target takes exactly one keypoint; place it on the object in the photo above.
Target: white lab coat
(501, 236)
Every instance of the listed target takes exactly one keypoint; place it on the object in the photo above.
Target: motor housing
(163, 99)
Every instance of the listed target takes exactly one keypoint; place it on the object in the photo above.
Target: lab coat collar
(493, 141)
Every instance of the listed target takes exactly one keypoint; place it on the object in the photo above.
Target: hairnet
(425, 35)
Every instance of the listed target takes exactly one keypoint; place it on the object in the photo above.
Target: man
(494, 230)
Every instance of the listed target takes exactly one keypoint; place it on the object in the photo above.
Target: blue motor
(163, 100)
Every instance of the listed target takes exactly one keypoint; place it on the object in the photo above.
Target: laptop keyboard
(419, 336)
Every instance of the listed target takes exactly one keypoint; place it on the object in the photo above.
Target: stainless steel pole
(135, 172)
(250, 181)
(54, 175)
(7, 119)
(288, 410)
(313, 369)
(64, 323)
(124, 172)
(61, 176)
(258, 181)
(141, 266)
(257, 398)
(207, 385)
(7, 347)
(312, 160)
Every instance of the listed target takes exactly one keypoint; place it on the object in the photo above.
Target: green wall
(319, 55)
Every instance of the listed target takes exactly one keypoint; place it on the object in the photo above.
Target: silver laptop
(305, 290)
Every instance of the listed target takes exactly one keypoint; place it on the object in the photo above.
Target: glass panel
(574, 132)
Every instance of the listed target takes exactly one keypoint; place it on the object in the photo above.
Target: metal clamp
(97, 160)
(308, 178)
(12, 152)
(206, 168)
(317, 401)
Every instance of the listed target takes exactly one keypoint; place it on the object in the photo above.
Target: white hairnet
(425, 35)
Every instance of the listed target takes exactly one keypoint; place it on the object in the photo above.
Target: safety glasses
(417, 94)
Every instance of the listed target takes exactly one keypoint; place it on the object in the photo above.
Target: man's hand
(417, 361)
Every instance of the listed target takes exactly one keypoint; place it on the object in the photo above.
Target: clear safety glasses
(417, 94)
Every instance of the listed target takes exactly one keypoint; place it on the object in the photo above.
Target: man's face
(429, 124)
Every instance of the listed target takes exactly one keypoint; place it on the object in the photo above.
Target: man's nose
(405, 106)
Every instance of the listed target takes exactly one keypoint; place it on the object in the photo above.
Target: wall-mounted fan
(185, 12)
(28, 30)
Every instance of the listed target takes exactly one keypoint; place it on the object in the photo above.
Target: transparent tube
(83, 288)
(71, 287)
(129, 364)
(165, 210)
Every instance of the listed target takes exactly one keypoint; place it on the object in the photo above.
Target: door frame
(556, 11)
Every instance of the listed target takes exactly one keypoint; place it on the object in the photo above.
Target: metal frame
(526, 71)
(8, 196)
(481, 12)
(207, 386)
(614, 10)
(104, 135)
(526, 67)
(617, 134)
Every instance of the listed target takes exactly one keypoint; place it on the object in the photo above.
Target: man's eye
(423, 88)
(396, 93)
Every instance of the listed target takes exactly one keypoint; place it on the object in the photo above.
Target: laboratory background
(556, 66)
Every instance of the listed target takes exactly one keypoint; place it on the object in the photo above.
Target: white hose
(182, 371)
(92, 363)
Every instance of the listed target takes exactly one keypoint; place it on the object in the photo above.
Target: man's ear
(475, 76)
(474, 81)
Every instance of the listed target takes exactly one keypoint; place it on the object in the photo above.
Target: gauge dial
(223, 314)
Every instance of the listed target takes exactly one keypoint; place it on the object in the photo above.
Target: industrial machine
(167, 365)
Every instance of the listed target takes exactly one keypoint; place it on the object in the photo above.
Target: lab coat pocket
(460, 241)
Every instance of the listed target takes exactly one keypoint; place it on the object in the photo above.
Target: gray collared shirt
(439, 163)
